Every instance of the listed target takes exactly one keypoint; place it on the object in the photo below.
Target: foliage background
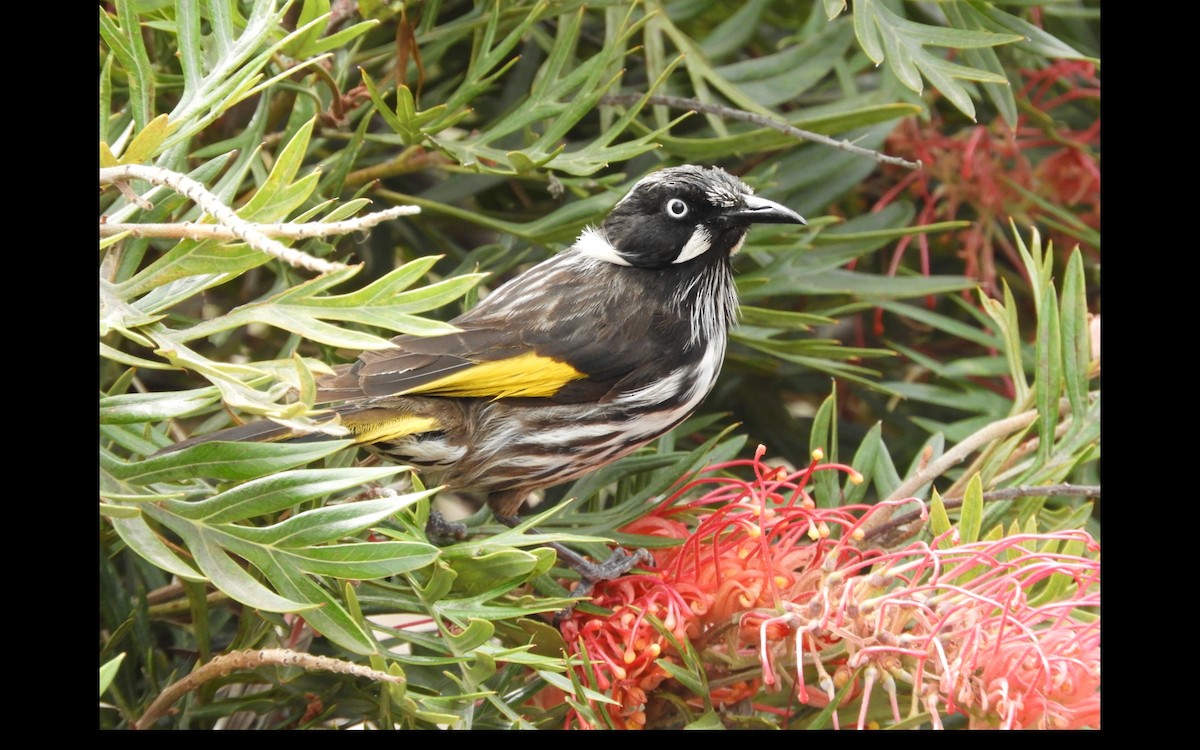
(905, 319)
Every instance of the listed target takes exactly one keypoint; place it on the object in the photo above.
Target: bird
(572, 364)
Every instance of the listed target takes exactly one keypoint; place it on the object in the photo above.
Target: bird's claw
(620, 562)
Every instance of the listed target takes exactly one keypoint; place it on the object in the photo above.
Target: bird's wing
(485, 362)
(544, 335)
(496, 361)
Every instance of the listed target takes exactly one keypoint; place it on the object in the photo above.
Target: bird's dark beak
(756, 210)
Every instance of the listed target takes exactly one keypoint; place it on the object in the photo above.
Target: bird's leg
(440, 531)
(620, 562)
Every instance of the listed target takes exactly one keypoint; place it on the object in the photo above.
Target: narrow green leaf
(364, 561)
(328, 523)
(1049, 372)
(283, 172)
(683, 676)
(230, 462)
(490, 567)
(867, 32)
(339, 39)
(142, 540)
(1033, 38)
(971, 516)
(441, 580)
(139, 70)
(280, 491)
(187, 35)
(224, 572)
(326, 614)
(822, 719)
(106, 107)
(472, 637)
(939, 520)
(887, 478)
(144, 145)
(964, 16)
(564, 683)
(134, 408)
(824, 436)
(864, 463)
(733, 33)
(108, 670)
(310, 10)
(707, 720)
(1076, 336)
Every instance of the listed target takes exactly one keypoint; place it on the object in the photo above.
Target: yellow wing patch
(367, 431)
(529, 375)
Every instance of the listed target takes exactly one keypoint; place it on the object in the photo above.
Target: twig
(729, 113)
(247, 660)
(306, 230)
(225, 215)
(1009, 493)
(947, 460)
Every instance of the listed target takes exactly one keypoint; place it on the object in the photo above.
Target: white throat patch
(697, 244)
(594, 244)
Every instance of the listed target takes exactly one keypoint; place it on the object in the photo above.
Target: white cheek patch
(593, 244)
(697, 244)
(738, 246)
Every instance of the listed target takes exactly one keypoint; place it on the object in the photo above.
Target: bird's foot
(440, 531)
(620, 562)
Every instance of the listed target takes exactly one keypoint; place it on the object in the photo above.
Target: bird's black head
(679, 214)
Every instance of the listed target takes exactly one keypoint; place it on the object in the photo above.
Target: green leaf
(1076, 335)
(135, 408)
(964, 16)
(823, 437)
(939, 520)
(1033, 38)
(326, 615)
(707, 720)
(971, 515)
(683, 676)
(145, 144)
(471, 637)
(278, 492)
(145, 542)
(229, 462)
(302, 308)
(1049, 372)
(328, 523)
(108, 670)
(1005, 318)
(496, 567)
(225, 573)
(364, 561)
(905, 42)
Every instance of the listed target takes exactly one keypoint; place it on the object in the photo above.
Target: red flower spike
(952, 621)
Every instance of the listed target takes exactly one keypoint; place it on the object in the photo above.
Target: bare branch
(306, 230)
(248, 660)
(1008, 493)
(224, 215)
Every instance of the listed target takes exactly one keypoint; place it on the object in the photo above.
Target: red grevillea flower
(990, 173)
(771, 591)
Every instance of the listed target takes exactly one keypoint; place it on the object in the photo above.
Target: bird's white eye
(676, 208)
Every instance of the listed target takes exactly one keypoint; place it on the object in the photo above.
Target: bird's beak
(756, 210)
